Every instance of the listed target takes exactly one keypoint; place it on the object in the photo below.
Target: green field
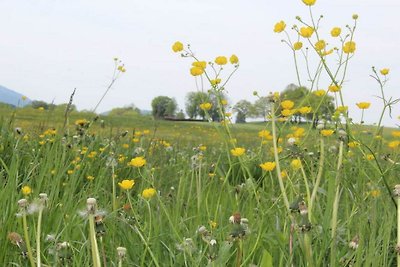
(199, 185)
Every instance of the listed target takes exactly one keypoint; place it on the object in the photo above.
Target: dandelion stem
(28, 243)
(93, 242)
(38, 233)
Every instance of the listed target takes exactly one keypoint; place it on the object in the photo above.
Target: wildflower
(196, 71)
(353, 144)
(70, 172)
(349, 47)
(396, 133)
(121, 68)
(363, 105)
(284, 174)
(234, 59)
(90, 177)
(148, 193)
(326, 132)
(385, 71)
(200, 64)
(213, 224)
(126, 184)
(369, 157)
(221, 60)
(320, 92)
(320, 45)
(286, 112)
(264, 134)
(121, 252)
(41, 108)
(215, 81)
(375, 193)
(238, 151)
(287, 104)
(268, 166)
(334, 88)
(295, 164)
(304, 110)
(202, 148)
(26, 190)
(224, 102)
(355, 16)
(335, 32)
(297, 45)
(137, 162)
(306, 32)
(177, 47)
(309, 2)
(342, 109)
(206, 106)
(280, 26)
(394, 144)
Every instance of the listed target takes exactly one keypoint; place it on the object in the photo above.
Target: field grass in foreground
(187, 200)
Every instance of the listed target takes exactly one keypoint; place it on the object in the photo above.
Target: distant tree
(39, 104)
(321, 106)
(180, 115)
(192, 104)
(163, 106)
(261, 107)
(125, 111)
(244, 109)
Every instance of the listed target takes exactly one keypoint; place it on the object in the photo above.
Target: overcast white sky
(49, 47)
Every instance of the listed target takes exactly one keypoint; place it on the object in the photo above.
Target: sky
(50, 47)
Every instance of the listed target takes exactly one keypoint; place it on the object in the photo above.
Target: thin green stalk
(114, 202)
(319, 176)
(38, 233)
(28, 243)
(397, 187)
(305, 182)
(93, 242)
(335, 208)
(276, 156)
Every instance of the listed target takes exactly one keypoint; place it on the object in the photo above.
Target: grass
(194, 188)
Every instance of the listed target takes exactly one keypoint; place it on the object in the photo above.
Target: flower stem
(28, 243)
(336, 206)
(93, 242)
(38, 233)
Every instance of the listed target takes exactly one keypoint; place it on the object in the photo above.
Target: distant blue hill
(13, 98)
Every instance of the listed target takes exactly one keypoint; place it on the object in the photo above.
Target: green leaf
(266, 260)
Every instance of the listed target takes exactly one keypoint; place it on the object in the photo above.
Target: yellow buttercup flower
(238, 151)
(375, 193)
(394, 144)
(221, 60)
(363, 105)
(206, 106)
(215, 81)
(334, 88)
(396, 133)
(326, 132)
(196, 71)
(90, 177)
(306, 32)
(268, 166)
(353, 144)
(287, 104)
(224, 102)
(148, 193)
(177, 47)
(309, 2)
(349, 47)
(369, 157)
(280, 26)
(234, 59)
(320, 92)
(295, 164)
(200, 64)
(384, 71)
(335, 32)
(286, 112)
(137, 162)
(264, 134)
(305, 110)
(126, 184)
(297, 45)
(342, 109)
(26, 190)
(320, 45)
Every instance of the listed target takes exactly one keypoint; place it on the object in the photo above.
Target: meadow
(80, 189)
